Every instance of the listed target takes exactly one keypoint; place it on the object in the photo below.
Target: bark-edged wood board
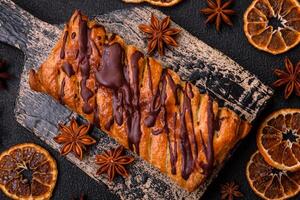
(195, 61)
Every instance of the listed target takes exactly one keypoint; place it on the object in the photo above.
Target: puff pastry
(135, 100)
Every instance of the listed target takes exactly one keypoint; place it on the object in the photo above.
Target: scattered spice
(112, 162)
(230, 191)
(74, 138)
(289, 77)
(218, 12)
(159, 34)
(3, 75)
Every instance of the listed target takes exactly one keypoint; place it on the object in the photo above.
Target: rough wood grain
(193, 60)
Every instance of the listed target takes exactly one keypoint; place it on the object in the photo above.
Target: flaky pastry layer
(135, 100)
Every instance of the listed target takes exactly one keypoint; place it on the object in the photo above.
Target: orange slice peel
(27, 172)
(273, 25)
(163, 3)
(270, 183)
(278, 139)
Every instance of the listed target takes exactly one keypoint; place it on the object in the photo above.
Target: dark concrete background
(71, 180)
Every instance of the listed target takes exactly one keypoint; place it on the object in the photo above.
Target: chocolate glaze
(85, 92)
(157, 100)
(62, 92)
(82, 38)
(108, 125)
(62, 51)
(115, 76)
(157, 105)
(111, 74)
(174, 88)
(134, 135)
(68, 69)
(190, 95)
(73, 35)
(185, 145)
(209, 150)
(173, 149)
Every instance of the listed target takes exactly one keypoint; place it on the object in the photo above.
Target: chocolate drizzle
(62, 92)
(209, 150)
(157, 100)
(134, 134)
(62, 51)
(111, 75)
(114, 75)
(73, 35)
(158, 105)
(174, 88)
(173, 149)
(68, 69)
(85, 92)
(185, 145)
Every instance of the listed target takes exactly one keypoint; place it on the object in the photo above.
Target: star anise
(112, 162)
(289, 77)
(74, 138)
(218, 12)
(159, 34)
(230, 191)
(3, 74)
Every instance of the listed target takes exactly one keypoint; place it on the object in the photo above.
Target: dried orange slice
(278, 139)
(27, 172)
(269, 182)
(273, 25)
(163, 3)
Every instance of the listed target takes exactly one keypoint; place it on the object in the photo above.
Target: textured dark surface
(39, 113)
(231, 41)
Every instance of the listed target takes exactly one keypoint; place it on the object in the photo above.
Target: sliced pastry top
(143, 105)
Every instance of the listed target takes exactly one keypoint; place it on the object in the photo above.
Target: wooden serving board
(193, 60)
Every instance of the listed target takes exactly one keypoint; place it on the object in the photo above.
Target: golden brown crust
(183, 140)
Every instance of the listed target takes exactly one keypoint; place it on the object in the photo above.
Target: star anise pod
(159, 34)
(229, 191)
(74, 138)
(218, 12)
(3, 74)
(289, 77)
(112, 162)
